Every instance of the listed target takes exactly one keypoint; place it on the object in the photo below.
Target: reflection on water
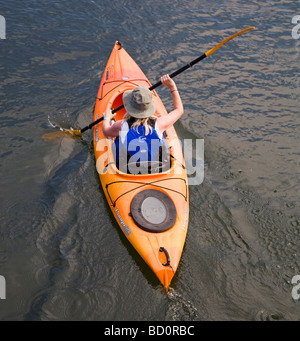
(61, 251)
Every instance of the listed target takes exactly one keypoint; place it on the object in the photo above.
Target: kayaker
(140, 132)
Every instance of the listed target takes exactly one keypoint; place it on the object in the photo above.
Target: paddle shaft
(174, 74)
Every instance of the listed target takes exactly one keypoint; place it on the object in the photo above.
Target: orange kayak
(152, 209)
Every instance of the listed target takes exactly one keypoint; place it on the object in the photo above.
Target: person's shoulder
(118, 124)
(116, 127)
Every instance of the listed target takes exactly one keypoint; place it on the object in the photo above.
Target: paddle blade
(55, 135)
(211, 51)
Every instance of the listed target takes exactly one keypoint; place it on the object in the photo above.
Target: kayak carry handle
(162, 249)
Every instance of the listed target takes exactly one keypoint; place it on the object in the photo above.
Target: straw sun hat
(138, 102)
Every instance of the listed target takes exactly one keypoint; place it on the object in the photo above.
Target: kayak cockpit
(131, 166)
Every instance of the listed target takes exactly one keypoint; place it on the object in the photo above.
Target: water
(61, 252)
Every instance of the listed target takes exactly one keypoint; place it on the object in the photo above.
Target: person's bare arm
(165, 122)
(110, 128)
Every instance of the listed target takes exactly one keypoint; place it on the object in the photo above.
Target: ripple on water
(180, 308)
(60, 304)
(263, 315)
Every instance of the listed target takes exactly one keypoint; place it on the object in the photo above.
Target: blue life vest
(137, 146)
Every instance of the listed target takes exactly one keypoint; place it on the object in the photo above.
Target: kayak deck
(158, 199)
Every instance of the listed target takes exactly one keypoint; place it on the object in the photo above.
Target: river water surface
(61, 251)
